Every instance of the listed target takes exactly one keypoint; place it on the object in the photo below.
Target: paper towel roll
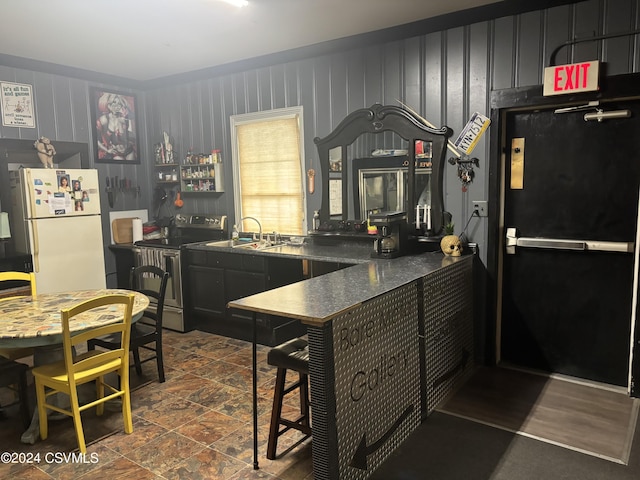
(136, 224)
(5, 232)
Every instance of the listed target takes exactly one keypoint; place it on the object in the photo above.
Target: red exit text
(572, 78)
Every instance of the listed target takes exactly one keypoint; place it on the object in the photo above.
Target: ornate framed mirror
(383, 158)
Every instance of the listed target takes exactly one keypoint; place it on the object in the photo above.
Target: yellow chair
(16, 353)
(64, 376)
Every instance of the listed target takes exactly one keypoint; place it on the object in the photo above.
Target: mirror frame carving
(377, 119)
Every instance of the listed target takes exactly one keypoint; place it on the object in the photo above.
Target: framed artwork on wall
(115, 126)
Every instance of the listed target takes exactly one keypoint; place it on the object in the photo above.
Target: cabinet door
(242, 284)
(206, 292)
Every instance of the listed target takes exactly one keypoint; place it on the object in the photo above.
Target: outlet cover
(481, 207)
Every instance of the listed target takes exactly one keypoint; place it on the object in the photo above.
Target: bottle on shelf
(316, 219)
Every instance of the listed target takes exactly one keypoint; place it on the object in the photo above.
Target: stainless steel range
(166, 253)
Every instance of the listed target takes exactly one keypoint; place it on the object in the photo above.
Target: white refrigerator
(57, 220)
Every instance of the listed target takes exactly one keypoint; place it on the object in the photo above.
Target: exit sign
(576, 77)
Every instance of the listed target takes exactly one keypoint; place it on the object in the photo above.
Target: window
(268, 168)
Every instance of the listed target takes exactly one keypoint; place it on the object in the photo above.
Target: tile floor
(196, 425)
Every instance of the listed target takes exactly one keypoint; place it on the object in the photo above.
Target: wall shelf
(202, 178)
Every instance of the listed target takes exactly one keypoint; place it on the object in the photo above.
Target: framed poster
(17, 105)
(115, 128)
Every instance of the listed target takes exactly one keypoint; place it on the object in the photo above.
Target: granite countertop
(347, 252)
(317, 300)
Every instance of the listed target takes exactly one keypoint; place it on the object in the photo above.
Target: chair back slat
(122, 326)
(12, 276)
(137, 277)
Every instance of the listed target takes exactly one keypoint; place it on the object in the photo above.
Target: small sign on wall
(17, 105)
(573, 78)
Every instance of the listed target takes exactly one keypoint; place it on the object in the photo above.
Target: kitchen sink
(244, 246)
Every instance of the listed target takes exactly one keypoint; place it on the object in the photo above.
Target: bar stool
(291, 355)
(15, 373)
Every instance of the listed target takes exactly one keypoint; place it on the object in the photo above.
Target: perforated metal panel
(448, 304)
(366, 364)
(377, 392)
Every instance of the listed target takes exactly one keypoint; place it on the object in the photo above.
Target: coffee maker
(392, 234)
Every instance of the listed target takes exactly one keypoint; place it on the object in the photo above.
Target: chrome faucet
(259, 226)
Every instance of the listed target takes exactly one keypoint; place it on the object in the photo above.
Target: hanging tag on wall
(311, 183)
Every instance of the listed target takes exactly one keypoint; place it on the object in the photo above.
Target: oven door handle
(172, 265)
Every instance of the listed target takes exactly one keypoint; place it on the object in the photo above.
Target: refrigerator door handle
(36, 246)
(512, 241)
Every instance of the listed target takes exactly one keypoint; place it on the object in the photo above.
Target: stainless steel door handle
(513, 241)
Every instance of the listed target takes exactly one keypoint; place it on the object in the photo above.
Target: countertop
(345, 252)
(317, 300)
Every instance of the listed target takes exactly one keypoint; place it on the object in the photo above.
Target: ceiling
(144, 40)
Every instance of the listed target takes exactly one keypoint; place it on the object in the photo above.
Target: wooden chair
(14, 374)
(147, 330)
(30, 279)
(65, 376)
(291, 355)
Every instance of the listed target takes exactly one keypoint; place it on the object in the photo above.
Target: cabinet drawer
(253, 263)
(223, 260)
(197, 257)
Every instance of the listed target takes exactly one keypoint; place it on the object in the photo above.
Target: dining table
(36, 321)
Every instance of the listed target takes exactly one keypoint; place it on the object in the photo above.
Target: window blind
(271, 174)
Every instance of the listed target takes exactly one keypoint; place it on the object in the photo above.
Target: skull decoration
(451, 246)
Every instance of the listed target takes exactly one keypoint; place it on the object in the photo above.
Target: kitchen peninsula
(388, 341)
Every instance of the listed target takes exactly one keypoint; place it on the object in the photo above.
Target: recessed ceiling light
(237, 3)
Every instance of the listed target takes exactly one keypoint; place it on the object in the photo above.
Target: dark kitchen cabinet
(206, 291)
(216, 278)
(124, 262)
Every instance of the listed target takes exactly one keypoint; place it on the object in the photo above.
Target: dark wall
(445, 70)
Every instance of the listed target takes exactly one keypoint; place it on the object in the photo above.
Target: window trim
(275, 114)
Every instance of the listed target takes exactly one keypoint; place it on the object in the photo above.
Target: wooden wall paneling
(618, 52)
(503, 68)
(7, 74)
(303, 73)
(278, 88)
(412, 75)
(219, 123)
(206, 127)
(355, 61)
(45, 110)
(322, 93)
(455, 93)
(239, 93)
(195, 115)
(291, 85)
(392, 79)
(258, 90)
(80, 116)
(338, 89)
(431, 107)
(373, 76)
(558, 22)
(477, 99)
(529, 53)
(173, 111)
(62, 107)
(587, 22)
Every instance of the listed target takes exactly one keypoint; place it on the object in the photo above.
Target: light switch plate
(481, 207)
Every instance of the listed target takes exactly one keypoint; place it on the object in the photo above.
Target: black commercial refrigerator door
(570, 218)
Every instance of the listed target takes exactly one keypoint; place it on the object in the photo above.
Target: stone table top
(36, 321)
